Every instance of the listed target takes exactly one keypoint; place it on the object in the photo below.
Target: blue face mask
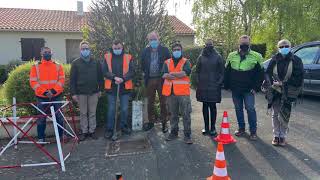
(85, 53)
(117, 51)
(284, 51)
(154, 44)
(176, 54)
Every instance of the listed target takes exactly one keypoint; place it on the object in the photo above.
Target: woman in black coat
(209, 72)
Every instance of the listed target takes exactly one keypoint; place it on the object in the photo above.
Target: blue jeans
(124, 103)
(248, 100)
(41, 122)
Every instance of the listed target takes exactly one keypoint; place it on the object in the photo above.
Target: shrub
(6, 69)
(260, 48)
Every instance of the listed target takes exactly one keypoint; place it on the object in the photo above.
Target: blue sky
(183, 12)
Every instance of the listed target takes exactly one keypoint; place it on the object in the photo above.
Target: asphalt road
(246, 160)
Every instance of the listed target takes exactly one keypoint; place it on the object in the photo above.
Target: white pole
(55, 126)
(14, 113)
(38, 164)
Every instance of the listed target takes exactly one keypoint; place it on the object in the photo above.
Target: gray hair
(153, 32)
(284, 42)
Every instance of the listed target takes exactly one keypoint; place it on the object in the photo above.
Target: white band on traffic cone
(225, 131)
(220, 156)
(225, 120)
(222, 172)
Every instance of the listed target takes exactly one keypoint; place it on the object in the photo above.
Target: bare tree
(129, 21)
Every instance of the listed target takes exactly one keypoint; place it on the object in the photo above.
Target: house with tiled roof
(24, 31)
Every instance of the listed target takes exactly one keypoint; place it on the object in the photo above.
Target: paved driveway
(176, 161)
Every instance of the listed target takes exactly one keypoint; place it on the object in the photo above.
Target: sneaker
(275, 141)
(126, 131)
(83, 136)
(147, 126)
(213, 133)
(187, 140)
(164, 128)
(171, 137)
(40, 141)
(253, 136)
(205, 132)
(108, 134)
(240, 132)
(93, 136)
(282, 142)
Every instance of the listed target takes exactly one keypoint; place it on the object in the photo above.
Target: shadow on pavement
(315, 166)
(238, 165)
(278, 162)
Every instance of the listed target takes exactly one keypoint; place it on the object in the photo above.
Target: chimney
(80, 8)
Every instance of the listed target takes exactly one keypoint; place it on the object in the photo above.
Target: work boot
(83, 136)
(187, 140)
(126, 131)
(275, 141)
(253, 136)
(240, 132)
(164, 128)
(148, 126)
(213, 133)
(108, 134)
(171, 136)
(93, 136)
(282, 142)
(205, 132)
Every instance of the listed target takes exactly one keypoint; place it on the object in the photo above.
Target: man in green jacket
(86, 83)
(244, 76)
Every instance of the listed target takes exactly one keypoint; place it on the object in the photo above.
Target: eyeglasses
(85, 49)
(286, 46)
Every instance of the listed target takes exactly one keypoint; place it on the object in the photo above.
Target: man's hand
(168, 76)
(253, 92)
(277, 83)
(180, 74)
(75, 98)
(118, 80)
(49, 94)
(99, 94)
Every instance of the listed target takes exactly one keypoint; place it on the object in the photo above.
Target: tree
(129, 21)
(266, 21)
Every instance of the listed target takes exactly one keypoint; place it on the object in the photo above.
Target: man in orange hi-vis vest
(117, 71)
(47, 80)
(176, 87)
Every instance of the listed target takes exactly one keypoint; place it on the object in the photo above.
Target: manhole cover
(128, 147)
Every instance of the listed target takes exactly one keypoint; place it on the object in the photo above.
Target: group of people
(167, 74)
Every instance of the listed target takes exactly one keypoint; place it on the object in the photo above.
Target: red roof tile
(14, 19)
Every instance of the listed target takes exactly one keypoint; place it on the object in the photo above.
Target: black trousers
(206, 106)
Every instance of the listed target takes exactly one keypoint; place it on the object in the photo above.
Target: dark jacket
(163, 54)
(296, 78)
(117, 71)
(209, 75)
(86, 77)
(243, 81)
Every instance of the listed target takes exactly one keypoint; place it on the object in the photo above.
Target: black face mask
(244, 47)
(208, 50)
(47, 56)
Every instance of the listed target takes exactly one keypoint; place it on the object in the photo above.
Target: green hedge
(260, 48)
(6, 69)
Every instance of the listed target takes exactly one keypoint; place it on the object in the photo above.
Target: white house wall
(10, 48)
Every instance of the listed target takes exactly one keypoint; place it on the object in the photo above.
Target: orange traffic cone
(225, 137)
(220, 166)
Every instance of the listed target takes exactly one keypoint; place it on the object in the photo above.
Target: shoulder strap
(108, 59)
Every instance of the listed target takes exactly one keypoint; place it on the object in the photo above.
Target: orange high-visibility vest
(181, 86)
(46, 75)
(125, 68)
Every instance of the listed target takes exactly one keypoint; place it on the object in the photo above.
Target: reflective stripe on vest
(125, 68)
(50, 81)
(181, 86)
